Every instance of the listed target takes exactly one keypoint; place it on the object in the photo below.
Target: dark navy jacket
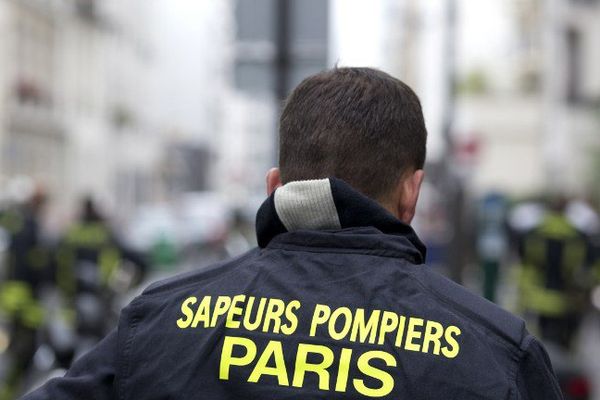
(335, 303)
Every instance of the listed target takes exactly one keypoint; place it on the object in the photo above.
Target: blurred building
(277, 44)
(529, 109)
(499, 110)
(33, 134)
(410, 39)
(72, 79)
(191, 84)
(133, 141)
(571, 91)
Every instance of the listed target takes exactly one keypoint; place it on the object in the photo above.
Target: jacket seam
(528, 338)
(339, 250)
(515, 353)
(125, 355)
(242, 262)
(505, 343)
(515, 377)
(513, 350)
(501, 341)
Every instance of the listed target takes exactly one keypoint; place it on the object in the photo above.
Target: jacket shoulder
(186, 279)
(480, 311)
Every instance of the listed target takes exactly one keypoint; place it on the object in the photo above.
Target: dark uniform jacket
(335, 303)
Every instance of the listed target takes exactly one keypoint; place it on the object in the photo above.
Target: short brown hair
(357, 124)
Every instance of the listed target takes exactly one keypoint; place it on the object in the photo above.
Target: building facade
(571, 93)
(33, 135)
(276, 45)
(72, 97)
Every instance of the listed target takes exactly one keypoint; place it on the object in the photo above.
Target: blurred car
(150, 224)
(203, 218)
(196, 220)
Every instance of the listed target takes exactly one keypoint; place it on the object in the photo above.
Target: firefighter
(492, 241)
(554, 263)
(91, 241)
(336, 302)
(27, 271)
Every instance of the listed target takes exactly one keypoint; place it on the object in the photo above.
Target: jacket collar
(326, 205)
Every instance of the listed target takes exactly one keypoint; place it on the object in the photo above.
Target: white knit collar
(307, 205)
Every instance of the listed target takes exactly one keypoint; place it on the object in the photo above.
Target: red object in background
(466, 149)
(577, 388)
(27, 90)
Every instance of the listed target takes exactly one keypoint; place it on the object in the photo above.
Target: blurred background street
(135, 136)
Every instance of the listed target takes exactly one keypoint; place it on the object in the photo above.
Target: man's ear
(273, 180)
(411, 186)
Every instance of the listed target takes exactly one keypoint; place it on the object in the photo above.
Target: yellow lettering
(273, 349)
(433, 333)
(400, 334)
(342, 376)
(454, 348)
(302, 366)
(387, 381)
(412, 334)
(338, 312)
(362, 329)
(389, 323)
(187, 311)
(292, 324)
(274, 312)
(227, 359)
(221, 306)
(251, 326)
(320, 316)
(202, 313)
(235, 310)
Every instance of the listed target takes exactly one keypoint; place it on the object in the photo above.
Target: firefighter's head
(89, 209)
(357, 124)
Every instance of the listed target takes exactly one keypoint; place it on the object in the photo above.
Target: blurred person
(553, 276)
(335, 302)
(240, 235)
(91, 242)
(93, 268)
(27, 271)
(27, 258)
(583, 216)
(492, 241)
